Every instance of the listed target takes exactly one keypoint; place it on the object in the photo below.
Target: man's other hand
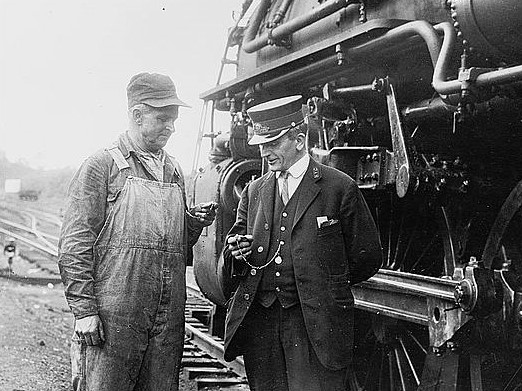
(204, 213)
(90, 330)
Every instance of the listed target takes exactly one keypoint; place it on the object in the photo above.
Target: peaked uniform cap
(275, 118)
(153, 89)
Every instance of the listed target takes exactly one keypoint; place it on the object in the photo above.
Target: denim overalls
(139, 283)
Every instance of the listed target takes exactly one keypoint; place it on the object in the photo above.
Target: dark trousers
(279, 356)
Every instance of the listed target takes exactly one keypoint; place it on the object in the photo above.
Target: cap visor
(165, 102)
(262, 139)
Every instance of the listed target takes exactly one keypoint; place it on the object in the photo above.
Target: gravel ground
(35, 330)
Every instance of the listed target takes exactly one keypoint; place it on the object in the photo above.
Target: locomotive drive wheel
(389, 354)
(502, 369)
(415, 236)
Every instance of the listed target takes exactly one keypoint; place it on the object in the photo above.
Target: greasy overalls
(139, 282)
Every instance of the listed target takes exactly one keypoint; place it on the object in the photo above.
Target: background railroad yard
(36, 323)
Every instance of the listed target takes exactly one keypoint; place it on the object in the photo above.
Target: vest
(278, 280)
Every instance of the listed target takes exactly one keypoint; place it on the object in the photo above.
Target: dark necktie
(284, 187)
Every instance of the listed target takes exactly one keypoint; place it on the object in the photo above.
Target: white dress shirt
(295, 175)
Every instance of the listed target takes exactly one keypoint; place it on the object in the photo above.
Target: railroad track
(202, 362)
(34, 245)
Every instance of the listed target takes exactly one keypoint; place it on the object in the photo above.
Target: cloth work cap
(274, 118)
(153, 89)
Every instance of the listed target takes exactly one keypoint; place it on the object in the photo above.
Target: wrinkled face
(157, 125)
(282, 153)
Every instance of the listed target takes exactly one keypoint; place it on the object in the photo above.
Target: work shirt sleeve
(83, 221)
(194, 228)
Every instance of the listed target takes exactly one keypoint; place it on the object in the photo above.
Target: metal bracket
(402, 163)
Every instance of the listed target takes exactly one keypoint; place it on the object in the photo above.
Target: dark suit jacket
(326, 260)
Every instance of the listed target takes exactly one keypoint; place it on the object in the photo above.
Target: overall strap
(118, 157)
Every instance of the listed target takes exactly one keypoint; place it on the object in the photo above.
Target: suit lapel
(309, 190)
(266, 193)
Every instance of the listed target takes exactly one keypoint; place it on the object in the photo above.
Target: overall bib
(139, 282)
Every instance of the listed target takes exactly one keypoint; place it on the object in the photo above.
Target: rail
(208, 343)
(45, 249)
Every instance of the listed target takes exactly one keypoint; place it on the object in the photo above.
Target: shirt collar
(298, 168)
(127, 145)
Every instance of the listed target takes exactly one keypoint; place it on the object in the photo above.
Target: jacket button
(246, 296)
(283, 228)
(260, 249)
(285, 214)
(266, 226)
(253, 272)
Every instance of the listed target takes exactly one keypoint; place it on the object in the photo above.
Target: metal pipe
(355, 89)
(500, 76)
(434, 108)
(255, 21)
(281, 12)
(441, 109)
(439, 82)
(419, 27)
(444, 87)
(398, 34)
(251, 44)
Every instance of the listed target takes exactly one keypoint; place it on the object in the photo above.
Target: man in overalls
(125, 240)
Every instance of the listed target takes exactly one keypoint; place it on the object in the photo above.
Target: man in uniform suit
(303, 234)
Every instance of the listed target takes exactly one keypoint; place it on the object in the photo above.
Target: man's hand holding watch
(240, 246)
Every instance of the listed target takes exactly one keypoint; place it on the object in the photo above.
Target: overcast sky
(65, 65)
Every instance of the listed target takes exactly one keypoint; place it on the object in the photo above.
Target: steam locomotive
(420, 101)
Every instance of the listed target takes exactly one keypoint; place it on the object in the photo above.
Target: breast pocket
(113, 193)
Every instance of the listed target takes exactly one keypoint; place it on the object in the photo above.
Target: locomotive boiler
(420, 102)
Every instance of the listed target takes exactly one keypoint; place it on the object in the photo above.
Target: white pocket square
(321, 220)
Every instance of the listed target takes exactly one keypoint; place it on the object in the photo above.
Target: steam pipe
(407, 30)
(252, 44)
(255, 21)
(438, 108)
(354, 89)
(439, 82)
(443, 87)
(434, 108)
(281, 12)
(419, 27)
(500, 76)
